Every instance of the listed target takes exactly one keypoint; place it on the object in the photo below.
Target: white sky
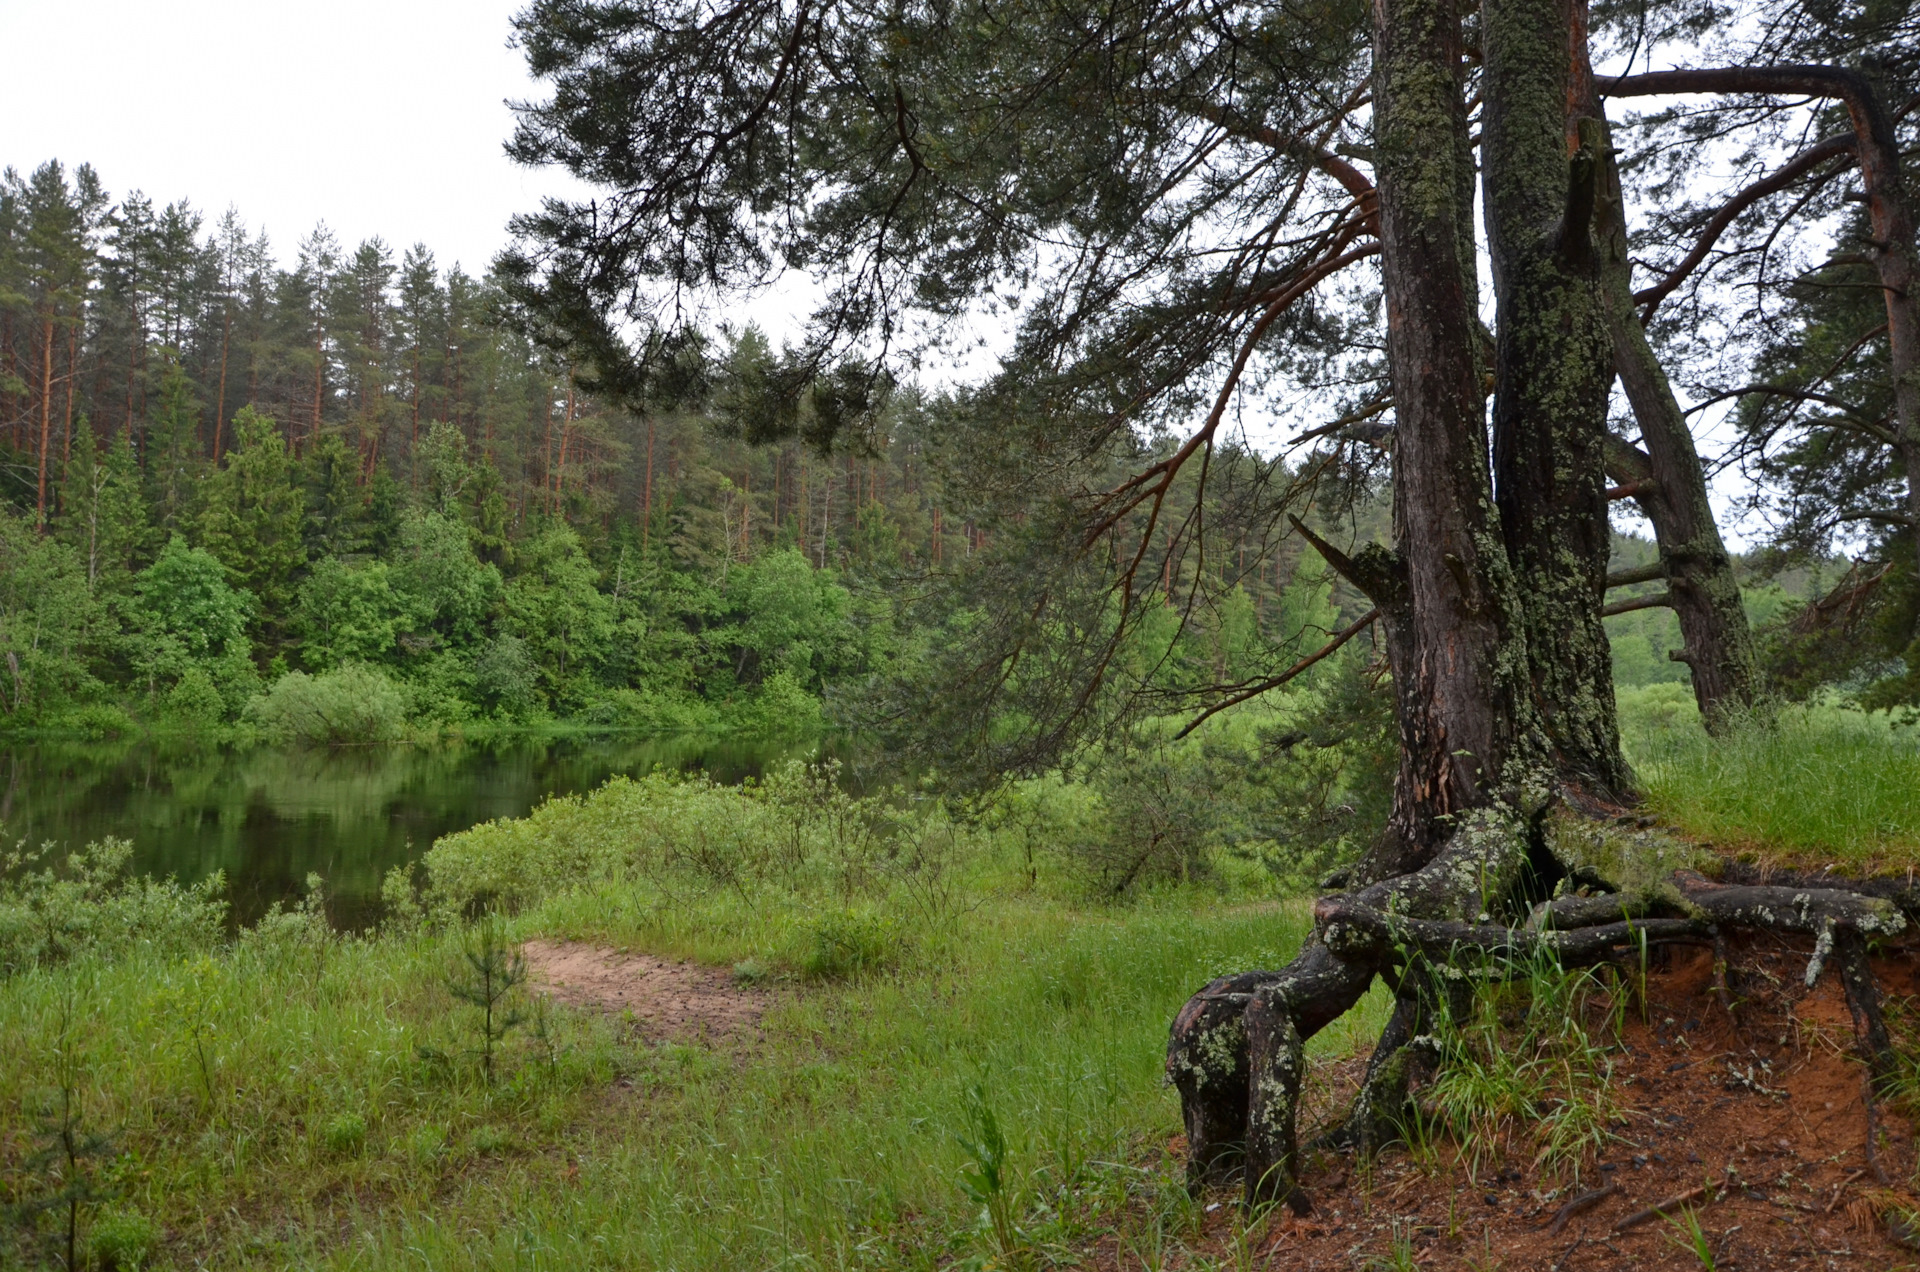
(380, 117)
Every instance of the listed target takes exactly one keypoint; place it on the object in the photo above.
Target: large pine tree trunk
(1458, 677)
(1467, 733)
(1554, 370)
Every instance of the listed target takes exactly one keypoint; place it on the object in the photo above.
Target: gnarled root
(1234, 1048)
(1237, 1048)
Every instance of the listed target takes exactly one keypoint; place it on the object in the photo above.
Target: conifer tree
(254, 517)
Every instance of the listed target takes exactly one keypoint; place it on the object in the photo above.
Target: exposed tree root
(1237, 1048)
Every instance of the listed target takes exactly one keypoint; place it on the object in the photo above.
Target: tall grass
(1812, 786)
(301, 1098)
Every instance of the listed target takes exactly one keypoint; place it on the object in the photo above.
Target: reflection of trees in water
(268, 818)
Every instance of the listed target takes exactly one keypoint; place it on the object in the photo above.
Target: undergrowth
(1811, 786)
(936, 1009)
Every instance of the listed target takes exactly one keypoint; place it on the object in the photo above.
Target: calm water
(269, 818)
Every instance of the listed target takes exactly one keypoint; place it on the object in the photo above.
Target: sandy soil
(664, 999)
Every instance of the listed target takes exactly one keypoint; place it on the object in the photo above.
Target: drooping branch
(1332, 647)
(1154, 481)
(1808, 160)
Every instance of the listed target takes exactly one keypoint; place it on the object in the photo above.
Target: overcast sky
(378, 116)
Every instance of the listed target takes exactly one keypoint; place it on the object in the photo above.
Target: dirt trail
(1774, 1103)
(677, 1000)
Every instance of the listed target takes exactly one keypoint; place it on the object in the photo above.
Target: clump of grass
(1689, 1236)
(345, 1135)
(1529, 1052)
(122, 1239)
(1814, 785)
(844, 945)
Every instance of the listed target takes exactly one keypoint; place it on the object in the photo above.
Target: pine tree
(253, 519)
(173, 449)
(103, 511)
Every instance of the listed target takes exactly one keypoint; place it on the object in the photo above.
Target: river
(269, 818)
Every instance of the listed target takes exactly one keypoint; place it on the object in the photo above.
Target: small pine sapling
(67, 1148)
(489, 970)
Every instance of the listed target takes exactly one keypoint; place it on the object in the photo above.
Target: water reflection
(269, 818)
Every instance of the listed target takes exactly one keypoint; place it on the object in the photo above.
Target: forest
(1337, 586)
(356, 497)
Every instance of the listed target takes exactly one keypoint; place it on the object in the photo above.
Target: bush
(196, 699)
(95, 722)
(87, 904)
(349, 705)
(123, 1239)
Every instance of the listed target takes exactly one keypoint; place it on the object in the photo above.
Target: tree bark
(1552, 375)
(1716, 640)
(1889, 213)
(1446, 594)
(46, 413)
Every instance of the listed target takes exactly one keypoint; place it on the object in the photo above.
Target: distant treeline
(216, 473)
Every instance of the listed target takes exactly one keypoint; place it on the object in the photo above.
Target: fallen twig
(1580, 1205)
(1841, 1191)
(1659, 1209)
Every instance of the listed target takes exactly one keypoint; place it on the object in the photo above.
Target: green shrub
(94, 721)
(51, 911)
(122, 1238)
(344, 1136)
(348, 705)
(196, 700)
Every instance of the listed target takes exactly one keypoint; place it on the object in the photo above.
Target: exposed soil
(1770, 1108)
(680, 1001)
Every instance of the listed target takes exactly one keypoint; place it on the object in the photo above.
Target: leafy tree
(349, 613)
(49, 621)
(555, 606)
(449, 593)
(186, 615)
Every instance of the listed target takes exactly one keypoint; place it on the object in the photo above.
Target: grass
(300, 1098)
(963, 1066)
(1820, 785)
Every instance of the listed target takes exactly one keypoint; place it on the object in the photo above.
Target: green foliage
(554, 607)
(68, 1153)
(253, 515)
(348, 613)
(350, 705)
(87, 904)
(1815, 785)
(187, 615)
(985, 1177)
(48, 617)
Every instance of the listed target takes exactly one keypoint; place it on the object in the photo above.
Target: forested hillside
(353, 492)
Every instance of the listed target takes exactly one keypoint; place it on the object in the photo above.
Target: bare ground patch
(678, 1000)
